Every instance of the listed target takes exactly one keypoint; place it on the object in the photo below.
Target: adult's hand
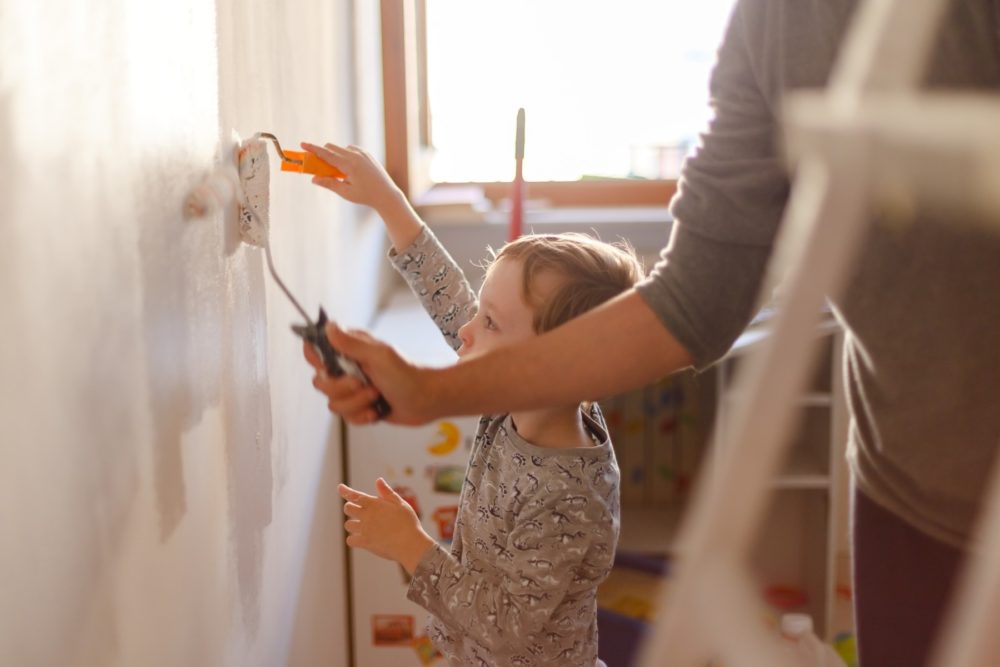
(407, 388)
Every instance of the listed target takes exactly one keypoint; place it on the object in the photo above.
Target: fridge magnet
(447, 439)
(425, 650)
(392, 630)
(447, 479)
(445, 518)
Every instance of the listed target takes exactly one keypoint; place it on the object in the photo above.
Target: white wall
(166, 486)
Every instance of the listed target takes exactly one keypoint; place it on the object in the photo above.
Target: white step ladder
(871, 137)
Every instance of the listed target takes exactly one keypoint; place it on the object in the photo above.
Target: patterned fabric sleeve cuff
(425, 575)
(421, 242)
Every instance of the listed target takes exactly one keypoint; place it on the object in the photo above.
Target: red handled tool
(517, 191)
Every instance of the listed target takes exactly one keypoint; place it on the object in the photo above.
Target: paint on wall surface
(161, 443)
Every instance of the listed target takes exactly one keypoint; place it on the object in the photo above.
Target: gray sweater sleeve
(438, 282)
(729, 203)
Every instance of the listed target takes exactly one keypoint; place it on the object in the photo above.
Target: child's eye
(490, 324)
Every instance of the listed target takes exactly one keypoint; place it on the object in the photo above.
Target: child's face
(504, 318)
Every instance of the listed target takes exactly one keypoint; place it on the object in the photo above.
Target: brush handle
(337, 364)
(515, 228)
(310, 165)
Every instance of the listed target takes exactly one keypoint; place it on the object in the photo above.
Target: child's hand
(385, 525)
(366, 181)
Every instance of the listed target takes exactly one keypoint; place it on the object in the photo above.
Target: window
(615, 93)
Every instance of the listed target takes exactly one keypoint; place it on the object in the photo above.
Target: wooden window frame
(407, 127)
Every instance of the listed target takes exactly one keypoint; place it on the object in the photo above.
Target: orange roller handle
(310, 165)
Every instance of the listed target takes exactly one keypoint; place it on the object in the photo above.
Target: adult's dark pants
(902, 583)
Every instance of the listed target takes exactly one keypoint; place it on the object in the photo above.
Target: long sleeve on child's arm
(552, 554)
(438, 282)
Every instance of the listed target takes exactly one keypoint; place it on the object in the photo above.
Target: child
(538, 517)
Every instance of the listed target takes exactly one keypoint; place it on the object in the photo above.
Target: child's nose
(465, 335)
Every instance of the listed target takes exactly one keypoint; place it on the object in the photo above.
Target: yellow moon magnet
(450, 437)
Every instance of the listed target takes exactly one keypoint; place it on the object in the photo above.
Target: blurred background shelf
(804, 534)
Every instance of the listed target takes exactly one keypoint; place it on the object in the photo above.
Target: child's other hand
(366, 181)
(385, 525)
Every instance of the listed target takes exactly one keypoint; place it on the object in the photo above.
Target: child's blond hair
(590, 272)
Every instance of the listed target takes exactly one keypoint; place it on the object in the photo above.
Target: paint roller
(300, 161)
(249, 185)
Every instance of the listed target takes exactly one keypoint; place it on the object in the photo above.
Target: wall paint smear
(163, 449)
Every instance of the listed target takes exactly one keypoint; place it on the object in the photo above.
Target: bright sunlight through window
(610, 89)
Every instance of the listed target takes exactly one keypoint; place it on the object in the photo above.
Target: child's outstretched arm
(417, 255)
(366, 182)
(385, 525)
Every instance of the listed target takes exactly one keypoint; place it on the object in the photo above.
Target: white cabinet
(426, 465)
(803, 536)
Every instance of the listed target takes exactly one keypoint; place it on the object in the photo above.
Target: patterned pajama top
(536, 528)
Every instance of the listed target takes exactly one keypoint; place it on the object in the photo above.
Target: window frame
(408, 137)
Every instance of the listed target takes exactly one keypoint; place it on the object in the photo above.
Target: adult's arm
(618, 345)
(695, 303)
